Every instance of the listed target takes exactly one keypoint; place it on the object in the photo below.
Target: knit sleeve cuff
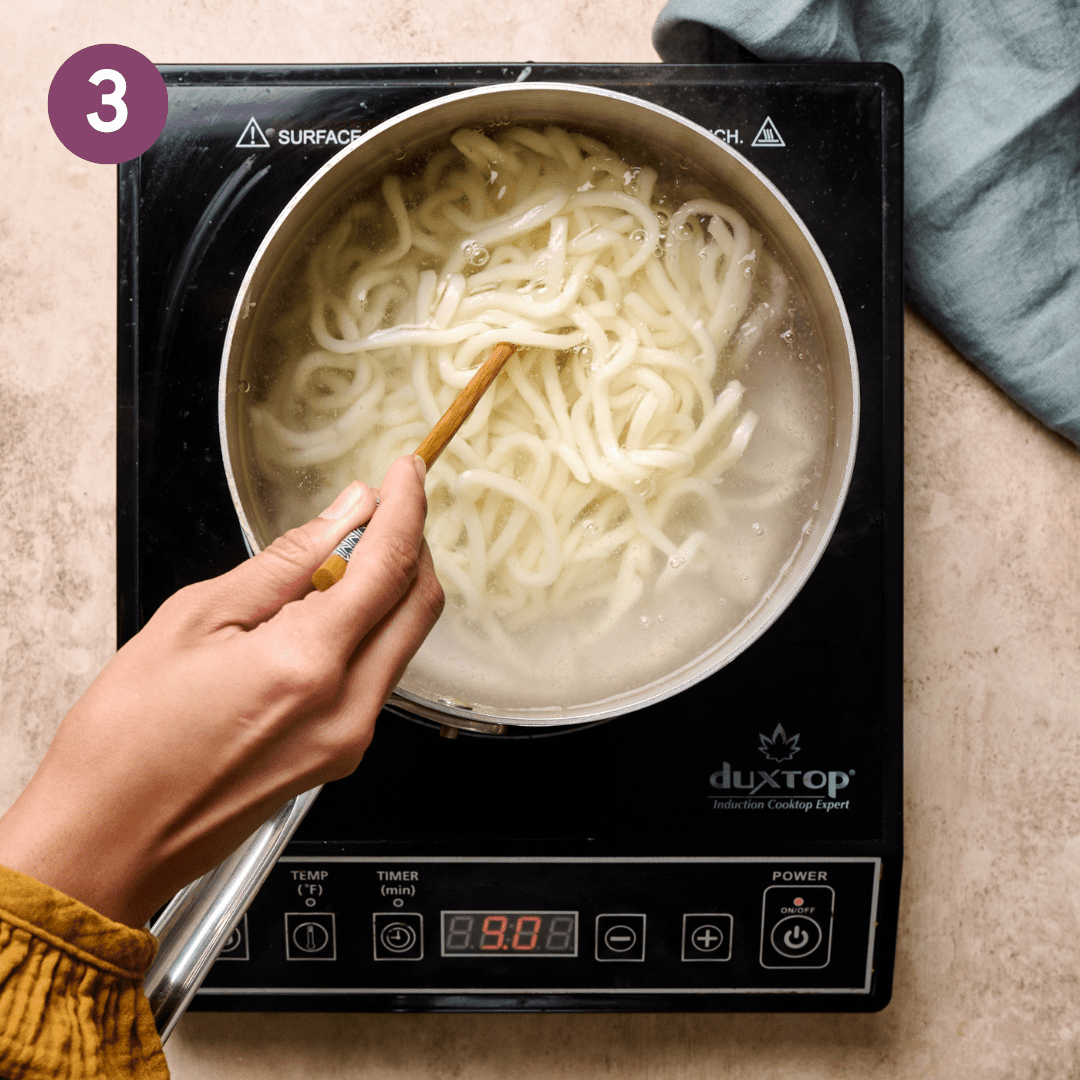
(71, 999)
(74, 928)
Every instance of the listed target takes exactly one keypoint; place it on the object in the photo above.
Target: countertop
(988, 958)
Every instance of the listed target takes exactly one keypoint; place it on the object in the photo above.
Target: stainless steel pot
(670, 137)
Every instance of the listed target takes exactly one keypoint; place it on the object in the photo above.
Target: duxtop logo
(779, 789)
(779, 747)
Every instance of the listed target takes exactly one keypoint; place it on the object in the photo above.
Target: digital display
(509, 933)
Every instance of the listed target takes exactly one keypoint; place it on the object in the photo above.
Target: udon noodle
(638, 473)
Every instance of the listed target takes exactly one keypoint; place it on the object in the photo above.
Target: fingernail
(344, 502)
(421, 468)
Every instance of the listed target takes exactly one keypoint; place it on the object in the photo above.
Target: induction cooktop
(736, 847)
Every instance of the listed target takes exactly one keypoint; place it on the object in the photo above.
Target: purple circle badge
(108, 103)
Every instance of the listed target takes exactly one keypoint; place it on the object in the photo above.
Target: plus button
(706, 937)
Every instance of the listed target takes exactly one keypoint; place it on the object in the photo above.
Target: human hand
(238, 694)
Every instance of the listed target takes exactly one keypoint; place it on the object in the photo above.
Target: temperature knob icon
(310, 937)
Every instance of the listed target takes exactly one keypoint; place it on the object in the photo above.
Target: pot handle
(195, 925)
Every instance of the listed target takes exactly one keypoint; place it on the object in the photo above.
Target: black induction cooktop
(736, 847)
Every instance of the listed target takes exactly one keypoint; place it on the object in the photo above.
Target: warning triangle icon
(253, 137)
(768, 135)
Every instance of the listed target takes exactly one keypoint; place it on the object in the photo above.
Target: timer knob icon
(397, 937)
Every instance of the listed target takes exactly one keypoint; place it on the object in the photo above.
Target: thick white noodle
(589, 473)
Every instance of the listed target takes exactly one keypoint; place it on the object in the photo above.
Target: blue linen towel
(992, 161)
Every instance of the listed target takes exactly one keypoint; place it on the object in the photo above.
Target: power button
(796, 936)
(796, 926)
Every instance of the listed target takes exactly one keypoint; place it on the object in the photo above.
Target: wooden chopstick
(429, 450)
(460, 408)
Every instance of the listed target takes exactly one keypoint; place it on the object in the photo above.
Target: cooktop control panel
(369, 925)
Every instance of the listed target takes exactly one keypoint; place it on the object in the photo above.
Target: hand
(238, 694)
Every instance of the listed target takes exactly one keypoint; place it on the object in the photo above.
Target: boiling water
(544, 656)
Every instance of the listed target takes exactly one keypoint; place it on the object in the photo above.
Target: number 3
(115, 99)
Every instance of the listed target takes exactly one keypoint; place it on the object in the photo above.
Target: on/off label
(796, 926)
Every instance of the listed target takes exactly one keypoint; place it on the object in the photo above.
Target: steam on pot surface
(648, 464)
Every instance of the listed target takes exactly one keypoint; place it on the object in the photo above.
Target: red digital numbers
(521, 932)
(498, 934)
(526, 933)
(513, 933)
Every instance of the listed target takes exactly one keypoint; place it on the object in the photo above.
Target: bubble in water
(658, 251)
(684, 230)
(399, 153)
(584, 353)
(637, 236)
(684, 163)
(645, 621)
(590, 527)
(243, 386)
(757, 529)
(748, 271)
(633, 188)
(676, 561)
(476, 254)
(643, 488)
(788, 336)
(662, 218)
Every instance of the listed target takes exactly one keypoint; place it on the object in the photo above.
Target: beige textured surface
(989, 952)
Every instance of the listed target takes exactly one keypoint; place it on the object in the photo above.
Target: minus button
(620, 937)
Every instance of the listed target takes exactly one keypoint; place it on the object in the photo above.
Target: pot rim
(738, 639)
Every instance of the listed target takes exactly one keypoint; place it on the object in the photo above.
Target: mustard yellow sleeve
(71, 1000)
